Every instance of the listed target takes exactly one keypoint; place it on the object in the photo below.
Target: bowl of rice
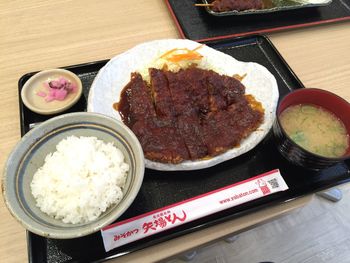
(73, 175)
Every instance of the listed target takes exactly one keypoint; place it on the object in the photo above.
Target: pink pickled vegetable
(58, 89)
(41, 94)
(56, 94)
(62, 81)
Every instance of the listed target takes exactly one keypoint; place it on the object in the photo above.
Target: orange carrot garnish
(186, 55)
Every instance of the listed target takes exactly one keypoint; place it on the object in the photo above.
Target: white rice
(80, 180)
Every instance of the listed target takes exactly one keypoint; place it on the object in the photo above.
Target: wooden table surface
(40, 34)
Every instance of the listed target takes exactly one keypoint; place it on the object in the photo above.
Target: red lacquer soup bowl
(319, 98)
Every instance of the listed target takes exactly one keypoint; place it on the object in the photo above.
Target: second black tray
(160, 189)
(197, 24)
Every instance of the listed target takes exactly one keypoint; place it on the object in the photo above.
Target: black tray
(164, 188)
(197, 24)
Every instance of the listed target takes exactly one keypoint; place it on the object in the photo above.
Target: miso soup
(315, 129)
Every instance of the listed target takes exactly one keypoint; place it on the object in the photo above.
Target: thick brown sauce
(165, 138)
(256, 105)
(268, 4)
(123, 106)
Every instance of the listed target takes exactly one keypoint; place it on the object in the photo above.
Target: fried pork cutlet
(223, 91)
(189, 114)
(136, 101)
(158, 135)
(196, 82)
(225, 129)
(161, 93)
(160, 140)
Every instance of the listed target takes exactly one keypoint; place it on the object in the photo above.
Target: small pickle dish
(51, 91)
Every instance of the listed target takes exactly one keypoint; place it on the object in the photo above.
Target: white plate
(112, 78)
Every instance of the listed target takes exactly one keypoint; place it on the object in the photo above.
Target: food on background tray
(234, 5)
(180, 56)
(246, 7)
(188, 114)
(80, 180)
(239, 5)
(57, 89)
(316, 130)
